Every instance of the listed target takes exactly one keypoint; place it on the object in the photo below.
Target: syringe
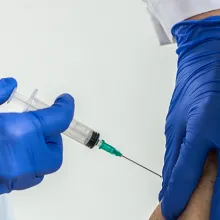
(77, 131)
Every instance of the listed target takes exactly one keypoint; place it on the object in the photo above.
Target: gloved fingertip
(66, 99)
(7, 86)
(9, 82)
(57, 118)
(163, 211)
(161, 193)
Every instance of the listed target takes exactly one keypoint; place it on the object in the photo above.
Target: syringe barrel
(77, 131)
(82, 134)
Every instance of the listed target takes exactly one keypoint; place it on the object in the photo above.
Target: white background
(105, 53)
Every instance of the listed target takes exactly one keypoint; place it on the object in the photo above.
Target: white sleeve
(166, 13)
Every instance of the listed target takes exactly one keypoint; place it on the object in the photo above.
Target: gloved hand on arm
(193, 121)
(199, 205)
(30, 142)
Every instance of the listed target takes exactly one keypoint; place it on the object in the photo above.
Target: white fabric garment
(166, 13)
(5, 208)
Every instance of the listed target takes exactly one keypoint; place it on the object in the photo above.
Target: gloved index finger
(7, 85)
(57, 118)
(185, 177)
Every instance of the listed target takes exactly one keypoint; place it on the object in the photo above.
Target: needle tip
(142, 166)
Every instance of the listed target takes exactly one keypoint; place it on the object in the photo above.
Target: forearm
(199, 205)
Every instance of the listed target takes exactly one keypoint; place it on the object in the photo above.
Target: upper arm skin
(206, 15)
(199, 205)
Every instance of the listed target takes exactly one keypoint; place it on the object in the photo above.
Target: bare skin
(199, 205)
(206, 15)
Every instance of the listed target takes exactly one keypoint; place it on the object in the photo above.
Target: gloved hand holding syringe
(77, 131)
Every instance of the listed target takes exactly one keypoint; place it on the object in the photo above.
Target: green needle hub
(108, 148)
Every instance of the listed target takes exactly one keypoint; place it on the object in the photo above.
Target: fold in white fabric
(166, 13)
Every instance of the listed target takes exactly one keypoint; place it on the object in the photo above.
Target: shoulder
(166, 13)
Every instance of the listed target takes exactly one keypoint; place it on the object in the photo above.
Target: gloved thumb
(7, 85)
(57, 118)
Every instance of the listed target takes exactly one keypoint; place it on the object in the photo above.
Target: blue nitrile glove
(193, 121)
(30, 142)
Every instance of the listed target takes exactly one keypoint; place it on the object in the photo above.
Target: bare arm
(157, 214)
(206, 15)
(199, 205)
